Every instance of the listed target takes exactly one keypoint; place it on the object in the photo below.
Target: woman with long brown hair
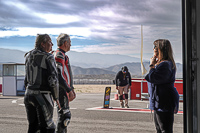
(164, 98)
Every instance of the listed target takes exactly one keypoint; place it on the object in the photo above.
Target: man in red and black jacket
(123, 83)
(66, 89)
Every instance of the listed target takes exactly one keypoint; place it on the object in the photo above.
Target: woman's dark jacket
(163, 95)
(122, 79)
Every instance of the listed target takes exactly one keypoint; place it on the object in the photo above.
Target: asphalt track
(88, 116)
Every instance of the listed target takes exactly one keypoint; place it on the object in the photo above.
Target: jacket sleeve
(60, 68)
(117, 79)
(53, 76)
(160, 75)
(25, 80)
(71, 77)
(151, 99)
(129, 78)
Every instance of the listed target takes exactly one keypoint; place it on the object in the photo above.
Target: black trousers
(163, 121)
(60, 124)
(39, 113)
(64, 102)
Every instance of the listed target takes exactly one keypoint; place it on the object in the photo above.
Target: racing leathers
(41, 82)
(65, 86)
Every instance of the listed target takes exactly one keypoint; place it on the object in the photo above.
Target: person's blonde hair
(166, 51)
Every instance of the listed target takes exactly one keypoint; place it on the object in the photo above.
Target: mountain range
(96, 60)
(81, 59)
(134, 69)
(83, 63)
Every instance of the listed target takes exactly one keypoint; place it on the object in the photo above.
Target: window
(9, 70)
(20, 70)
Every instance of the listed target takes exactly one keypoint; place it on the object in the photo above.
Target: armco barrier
(139, 89)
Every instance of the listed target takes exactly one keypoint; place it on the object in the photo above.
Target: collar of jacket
(61, 50)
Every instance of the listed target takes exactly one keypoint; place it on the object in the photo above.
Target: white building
(13, 75)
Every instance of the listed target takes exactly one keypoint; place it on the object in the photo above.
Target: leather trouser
(39, 108)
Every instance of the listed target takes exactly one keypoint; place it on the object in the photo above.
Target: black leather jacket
(41, 72)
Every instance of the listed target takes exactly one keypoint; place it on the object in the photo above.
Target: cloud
(29, 31)
(57, 18)
(109, 26)
(108, 48)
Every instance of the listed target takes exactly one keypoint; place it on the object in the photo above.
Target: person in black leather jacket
(41, 82)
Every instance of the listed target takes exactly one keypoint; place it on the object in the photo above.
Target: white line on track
(21, 104)
(117, 109)
(14, 101)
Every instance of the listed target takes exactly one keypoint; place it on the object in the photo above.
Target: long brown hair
(166, 51)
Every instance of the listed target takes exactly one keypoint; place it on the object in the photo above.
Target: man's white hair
(62, 38)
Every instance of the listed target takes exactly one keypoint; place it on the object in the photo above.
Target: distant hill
(89, 60)
(81, 59)
(90, 71)
(9, 55)
(134, 69)
(90, 63)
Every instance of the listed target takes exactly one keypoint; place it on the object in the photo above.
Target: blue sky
(95, 26)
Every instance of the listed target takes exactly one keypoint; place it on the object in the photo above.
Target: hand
(72, 95)
(153, 61)
(129, 87)
(117, 87)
